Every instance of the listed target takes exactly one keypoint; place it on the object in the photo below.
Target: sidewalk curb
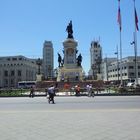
(100, 94)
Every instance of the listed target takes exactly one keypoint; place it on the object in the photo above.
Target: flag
(136, 20)
(119, 18)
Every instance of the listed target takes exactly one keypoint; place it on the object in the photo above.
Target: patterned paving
(68, 123)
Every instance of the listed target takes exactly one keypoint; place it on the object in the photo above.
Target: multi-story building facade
(128, 69)
(106, 62)
(16, 68)
(95, 58)
(48, 59)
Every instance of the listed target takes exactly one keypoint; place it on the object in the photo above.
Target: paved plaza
(71, 118)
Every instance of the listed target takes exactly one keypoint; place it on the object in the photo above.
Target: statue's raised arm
(69, 30)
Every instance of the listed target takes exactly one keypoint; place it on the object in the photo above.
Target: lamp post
(39, 63)
(135, 52)
(117, 63)
(106, 61)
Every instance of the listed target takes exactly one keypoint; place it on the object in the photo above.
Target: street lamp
(117, 64)
(39, 63)
(135, 51)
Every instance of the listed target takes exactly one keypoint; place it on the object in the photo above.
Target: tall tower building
(95, 58)
(48, 61)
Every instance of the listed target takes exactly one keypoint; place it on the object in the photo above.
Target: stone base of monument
(99, 76)
(70, 74)
(39, 77)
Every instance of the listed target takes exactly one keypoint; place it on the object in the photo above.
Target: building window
(19, 72)
(20, 58)
(5, 82)
(12, 73)
(131, 74)
(5, 73)
(12, 82)
(131, 67)
(14, 59)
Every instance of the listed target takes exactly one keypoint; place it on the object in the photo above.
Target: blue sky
(26, 24)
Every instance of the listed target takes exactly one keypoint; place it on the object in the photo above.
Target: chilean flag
(136, 20)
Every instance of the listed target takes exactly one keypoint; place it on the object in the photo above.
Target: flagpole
(135, 53)
(135, 47)
(117, 64)
(121, 58)
(120, 22)
(117, 53)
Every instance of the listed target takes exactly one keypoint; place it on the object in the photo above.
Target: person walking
(51, 93)
(32, 90)
(77, 90)
(90, 90)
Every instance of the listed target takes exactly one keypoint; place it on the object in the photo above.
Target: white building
(48, 59)
(128, 69)
(106, 62)
(16, 68)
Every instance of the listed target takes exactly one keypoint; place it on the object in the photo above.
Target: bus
(26, 84)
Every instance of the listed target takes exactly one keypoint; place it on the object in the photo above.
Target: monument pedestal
(70, 74)
(99, 76)
(39, 77)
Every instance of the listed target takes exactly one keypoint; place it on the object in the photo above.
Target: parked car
(130, 84)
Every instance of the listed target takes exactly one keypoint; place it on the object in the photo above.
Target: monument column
(70, 47)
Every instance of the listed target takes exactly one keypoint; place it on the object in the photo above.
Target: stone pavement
(71, 122)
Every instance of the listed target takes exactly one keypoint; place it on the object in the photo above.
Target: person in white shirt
(51, 93)
(90, 90)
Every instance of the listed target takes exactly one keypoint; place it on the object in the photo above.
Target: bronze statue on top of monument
(70, 30)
